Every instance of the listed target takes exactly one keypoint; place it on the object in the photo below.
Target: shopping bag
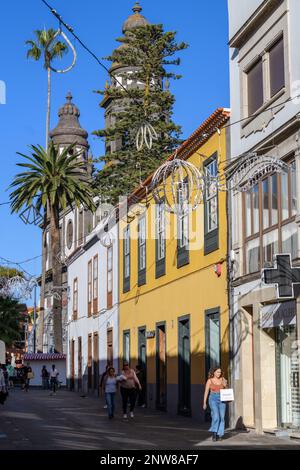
(226, 394)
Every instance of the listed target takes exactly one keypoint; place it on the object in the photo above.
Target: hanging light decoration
(145, 136)
(247, 171)
(60, 32)
(17, 287)
(179, 184)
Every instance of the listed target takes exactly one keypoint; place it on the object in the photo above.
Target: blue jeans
(218, 409)
(110, 401)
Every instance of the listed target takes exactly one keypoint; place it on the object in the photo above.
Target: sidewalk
(35, 420)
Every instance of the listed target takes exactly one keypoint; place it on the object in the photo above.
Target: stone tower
(122, 74)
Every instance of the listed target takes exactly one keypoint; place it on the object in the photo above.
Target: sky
(204, 87)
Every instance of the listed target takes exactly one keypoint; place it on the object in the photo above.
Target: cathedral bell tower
(122, 74)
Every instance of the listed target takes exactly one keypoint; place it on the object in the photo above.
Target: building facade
(92, 327)
(264, 84)
(173, 314)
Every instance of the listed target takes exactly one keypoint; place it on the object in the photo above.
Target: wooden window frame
(211, 237)
(272, 227)
(109, 332)
(110, 293)
(75, 296)
(160, 237)
(126, 333)
(142, 244)
(95, 284)
(90, 287)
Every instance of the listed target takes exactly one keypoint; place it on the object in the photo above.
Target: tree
(147, 50)
(10, 317)
(39, 48)
(54, 180)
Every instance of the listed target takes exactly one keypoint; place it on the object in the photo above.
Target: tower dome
(68, 130)
(136, 20)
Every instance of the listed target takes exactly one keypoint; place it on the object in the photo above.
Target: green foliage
(39, 46)
(5, 271)
(10, 319)
(147, 50)
(51, 177)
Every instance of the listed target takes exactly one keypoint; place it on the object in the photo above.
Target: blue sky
(205, 84)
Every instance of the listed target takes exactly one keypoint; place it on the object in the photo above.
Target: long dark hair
(212, 371)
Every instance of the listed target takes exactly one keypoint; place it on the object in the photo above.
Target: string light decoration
(180, 185)
(247, 171)
(31, 216)
(145, 136)
(60, 32)
(17, 287)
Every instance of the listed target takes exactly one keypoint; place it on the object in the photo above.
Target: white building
(92, 327)
(265, 119)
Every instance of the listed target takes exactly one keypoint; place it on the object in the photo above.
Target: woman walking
(110, 387)
(129, 382)
(214, 384)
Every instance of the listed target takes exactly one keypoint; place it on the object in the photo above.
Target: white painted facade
(100, 321)
(254, 27)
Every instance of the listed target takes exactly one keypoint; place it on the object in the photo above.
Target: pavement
(66, 421)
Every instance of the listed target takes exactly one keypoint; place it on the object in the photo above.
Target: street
(37, 421)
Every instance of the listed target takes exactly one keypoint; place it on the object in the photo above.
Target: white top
(53, 373)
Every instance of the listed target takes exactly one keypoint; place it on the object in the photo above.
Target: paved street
(37, 421)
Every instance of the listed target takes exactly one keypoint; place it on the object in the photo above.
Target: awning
(43, 357)
(279, 314)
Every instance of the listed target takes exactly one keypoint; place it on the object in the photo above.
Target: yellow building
(173, 316)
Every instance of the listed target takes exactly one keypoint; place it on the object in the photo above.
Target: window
(255, 87)
(126, 259)
(211, 224)
(269, 220)
(142, 251)
(95, 284)
(126, 346)
(212, 339)
(88, 222)
(160, 241)
(80, 227)
(89, 288)
(75, 299)
(109, 276)
(70, 234)
(110, 353)
(276, 67)
(183, 225)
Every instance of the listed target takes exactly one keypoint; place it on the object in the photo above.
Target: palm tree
(38, 48)
(54, 181)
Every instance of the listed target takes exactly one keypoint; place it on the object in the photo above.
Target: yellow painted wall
(191, 289)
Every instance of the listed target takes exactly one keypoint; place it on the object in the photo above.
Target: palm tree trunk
(56, 278)
(44, 234)
(48, 108)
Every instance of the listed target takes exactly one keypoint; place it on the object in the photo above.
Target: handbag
(30, 375)
(226, 394)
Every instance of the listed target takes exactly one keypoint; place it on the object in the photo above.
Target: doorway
(184, 366)
(287, 372)
(161, 367)
(142, 362)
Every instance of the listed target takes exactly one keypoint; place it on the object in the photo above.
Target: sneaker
(105, 407)
(131, 414)
(125, 416)
(214, 436)
(144, 406)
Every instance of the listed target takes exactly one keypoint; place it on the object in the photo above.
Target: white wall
(36, 367)
(239, 12)
(85, 325)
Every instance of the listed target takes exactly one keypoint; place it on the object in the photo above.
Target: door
(96, 362)
(161, 367)
(288, 397)
(184, 367)
(110, 354)
(142, 358)
(90, 372)
(79, 360)
(72, 348)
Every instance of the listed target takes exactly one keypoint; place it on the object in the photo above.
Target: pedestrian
(3, 386)
(11, 375)
(141, 375)
(29, 375)
(45, 378)
(110, 382)
(128, 385)
(214, 384)
(53, 379)
(23, 376)
(102, 381)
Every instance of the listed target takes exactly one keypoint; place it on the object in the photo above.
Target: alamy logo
(2, 92)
